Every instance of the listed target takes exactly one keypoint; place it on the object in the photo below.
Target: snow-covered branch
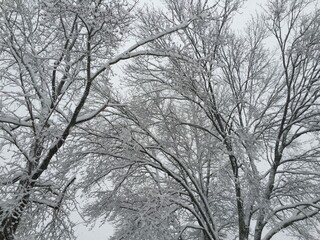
(88, 116)
(298, 216)
(15, 121)
(128, 53)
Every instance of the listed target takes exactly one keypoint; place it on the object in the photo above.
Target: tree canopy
(214, 134)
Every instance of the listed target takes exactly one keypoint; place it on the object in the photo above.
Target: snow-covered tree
(220, 140)
(55, 59)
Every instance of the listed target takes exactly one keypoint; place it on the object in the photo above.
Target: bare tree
(54, 68)
(223, 135)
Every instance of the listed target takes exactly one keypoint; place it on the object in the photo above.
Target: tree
(221, 139)
(55, 63)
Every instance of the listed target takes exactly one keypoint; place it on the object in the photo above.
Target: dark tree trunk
(10, 220)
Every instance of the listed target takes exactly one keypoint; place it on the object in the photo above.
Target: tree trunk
(8, 228)
(11, 219)
(258, 232)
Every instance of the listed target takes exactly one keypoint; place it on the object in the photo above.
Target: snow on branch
(186, 227)
(71, 181)
(91, 115)
(15, 121)
(55, 204)
(299, 204)
(298, 216)
(128, 53)
(15, 178)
